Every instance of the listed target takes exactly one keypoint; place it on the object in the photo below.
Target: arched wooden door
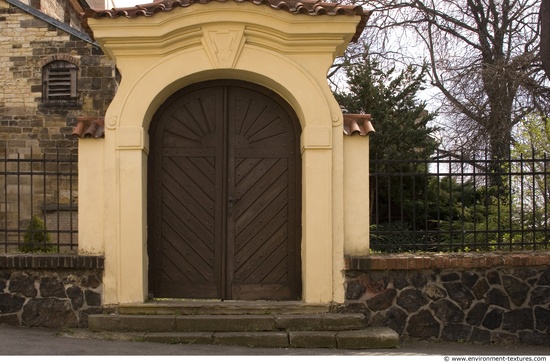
(224, 178)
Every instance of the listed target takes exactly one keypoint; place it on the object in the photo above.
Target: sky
(124, 3)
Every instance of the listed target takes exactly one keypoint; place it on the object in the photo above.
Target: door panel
(224, 191)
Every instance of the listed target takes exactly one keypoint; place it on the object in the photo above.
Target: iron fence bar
(450, 178)
(462, 234)
(58, 191)
(545, 199)
(426, 190)
(18, 200)
(522, 223)
(6, 211)
(474, 180)
(44, 201)
(71, 239)
(487, 197)
(389, 199)
(533, 203)
(438, 202)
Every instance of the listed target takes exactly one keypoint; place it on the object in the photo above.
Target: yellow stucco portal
(158, 55)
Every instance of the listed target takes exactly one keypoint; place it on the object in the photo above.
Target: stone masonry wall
(26, 44)
(31, 127)
(52, 291)
(472, 297)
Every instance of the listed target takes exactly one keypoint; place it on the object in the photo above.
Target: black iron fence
(38, 202)
(458, 204)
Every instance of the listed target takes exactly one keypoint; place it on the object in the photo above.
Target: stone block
(51, 286)
(497, 297)
(480, 336)
(76, 296)
(476, 314)
(534, 338)
(10, 303)
(376, 337)
(396, 319)
(180, 337)
(447, 311)
(224, 323)
(518, 319)
(21, 282)
(49, 313)
(382, 300)
(320, 322)
(253, 339)
(542, 319)
(313, 339)
(135, 323)
(456, 332)
(493, 319)
(411, 300)
(459, 293)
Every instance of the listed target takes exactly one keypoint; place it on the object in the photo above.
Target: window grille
(59, 82)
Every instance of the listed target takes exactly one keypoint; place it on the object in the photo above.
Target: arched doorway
(224, 195)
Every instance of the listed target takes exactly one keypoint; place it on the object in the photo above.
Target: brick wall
(501, 298)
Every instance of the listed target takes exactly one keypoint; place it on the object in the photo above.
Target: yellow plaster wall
(90, 220)
(356, 195)
(159, 55)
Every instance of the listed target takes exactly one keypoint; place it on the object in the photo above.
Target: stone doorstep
(369, 338)
(225, 323)
(321, 322)
(214, 307)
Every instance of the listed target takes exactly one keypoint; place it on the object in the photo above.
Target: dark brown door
(224, 195)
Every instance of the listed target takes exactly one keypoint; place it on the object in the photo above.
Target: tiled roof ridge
(89, 127)
(357, 124)
(310, 7)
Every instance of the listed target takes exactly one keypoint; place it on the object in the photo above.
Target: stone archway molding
(158, 55)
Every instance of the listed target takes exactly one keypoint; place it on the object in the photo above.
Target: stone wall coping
(412, 261)
(51, 261)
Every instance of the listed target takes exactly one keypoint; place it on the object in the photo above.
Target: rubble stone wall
(471, 297)
(52, 291)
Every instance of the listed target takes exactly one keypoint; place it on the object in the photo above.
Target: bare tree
(545, 35)
(484, 59)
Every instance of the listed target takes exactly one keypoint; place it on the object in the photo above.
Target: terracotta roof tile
(357, 123)
(310, 7)
(89, 127)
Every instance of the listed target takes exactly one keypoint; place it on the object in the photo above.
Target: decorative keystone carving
(224, 46)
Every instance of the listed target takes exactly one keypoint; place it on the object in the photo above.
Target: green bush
(37, 238)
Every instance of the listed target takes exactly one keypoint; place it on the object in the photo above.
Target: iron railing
(460, 204)
(42, 188)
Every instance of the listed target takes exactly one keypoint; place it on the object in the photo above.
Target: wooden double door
(224, 178)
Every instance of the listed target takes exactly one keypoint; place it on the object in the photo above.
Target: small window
(59, 82)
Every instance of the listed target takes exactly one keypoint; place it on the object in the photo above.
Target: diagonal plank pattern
(225, 195)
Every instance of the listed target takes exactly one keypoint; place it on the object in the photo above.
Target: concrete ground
(20, 341)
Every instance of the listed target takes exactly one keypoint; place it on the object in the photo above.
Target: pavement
(22, 341)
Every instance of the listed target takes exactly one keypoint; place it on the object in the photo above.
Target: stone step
(225, 322)
(212, 307)
(368, 338)
(238, 323)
